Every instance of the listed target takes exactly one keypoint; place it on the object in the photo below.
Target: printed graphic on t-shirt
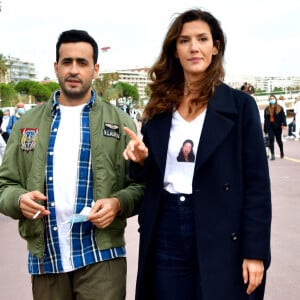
(186, 153)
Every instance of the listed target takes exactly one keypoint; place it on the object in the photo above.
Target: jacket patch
(111, 130)
(29, 138)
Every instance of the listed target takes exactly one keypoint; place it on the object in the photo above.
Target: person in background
(20, 111)
(248, 88)
(5, 120)
(282, 103)
(1, 117)
(64, 178)
(297, 118)
(274, 122)
(2, 140)
(292, 129)
(204, 225)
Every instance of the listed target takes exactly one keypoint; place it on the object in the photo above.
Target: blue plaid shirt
(84, 250)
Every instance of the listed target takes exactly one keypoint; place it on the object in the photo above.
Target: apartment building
(18, 70)
(265, 83)
(137, 77)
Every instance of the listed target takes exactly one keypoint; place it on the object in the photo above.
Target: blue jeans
(292, 128)
(175, 272)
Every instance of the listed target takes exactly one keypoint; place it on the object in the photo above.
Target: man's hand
(253, 272)
(30, 208)
(104, 212)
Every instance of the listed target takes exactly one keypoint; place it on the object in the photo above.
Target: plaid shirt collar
(55, 102)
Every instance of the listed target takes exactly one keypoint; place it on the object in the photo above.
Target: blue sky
(262, 35)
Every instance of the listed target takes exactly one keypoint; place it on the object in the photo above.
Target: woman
(186, 153)
(205, 227)
(274, 121)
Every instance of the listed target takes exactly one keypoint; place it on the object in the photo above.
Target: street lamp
(10, 80)
(10, 87)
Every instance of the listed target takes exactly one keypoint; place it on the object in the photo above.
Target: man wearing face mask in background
(20, 111)
(274, 122)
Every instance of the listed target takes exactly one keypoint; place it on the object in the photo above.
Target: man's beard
(74, 93)
(79, 94)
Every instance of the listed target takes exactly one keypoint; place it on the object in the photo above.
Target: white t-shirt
(184, 139)
(282, 104)
(297, 109)
(4, 124)
(65, 163)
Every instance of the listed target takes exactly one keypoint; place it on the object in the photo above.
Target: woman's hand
(136, 149)
(253, 272)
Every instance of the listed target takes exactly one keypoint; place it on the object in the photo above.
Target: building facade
(18, 70)
(136, 77)
(266, 83)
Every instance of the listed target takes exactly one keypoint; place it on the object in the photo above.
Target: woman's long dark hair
(273, 109)
(167, 75)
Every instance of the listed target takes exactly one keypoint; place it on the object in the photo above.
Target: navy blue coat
(231, 194)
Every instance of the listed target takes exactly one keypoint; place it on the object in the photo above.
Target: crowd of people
(275, 121)
(7, 122)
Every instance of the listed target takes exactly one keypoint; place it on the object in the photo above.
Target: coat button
(182, 198)
(234, 236)
(226, 187)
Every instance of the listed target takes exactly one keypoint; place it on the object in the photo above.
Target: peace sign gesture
(136, 149)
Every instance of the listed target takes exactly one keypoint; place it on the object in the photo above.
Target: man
(297, 118)
(2, 134)
(282, 103)
(20, 111)
(4, 123)
(63, 176)
(291, 129)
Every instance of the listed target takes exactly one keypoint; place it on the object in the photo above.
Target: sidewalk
(283, 275)
(284, 272)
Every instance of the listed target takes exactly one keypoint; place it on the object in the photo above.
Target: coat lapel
(159, 139)
(219, 121)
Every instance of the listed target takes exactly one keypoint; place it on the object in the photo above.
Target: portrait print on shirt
(186, 153)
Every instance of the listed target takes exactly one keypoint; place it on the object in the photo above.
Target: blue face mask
(81, 217)
(78, 218)
(21, 111)
(272, 101)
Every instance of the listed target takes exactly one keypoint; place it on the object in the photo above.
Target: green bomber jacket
(24, 163)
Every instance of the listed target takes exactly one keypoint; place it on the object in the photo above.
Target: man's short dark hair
(76, 36)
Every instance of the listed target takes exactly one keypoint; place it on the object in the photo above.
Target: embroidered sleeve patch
(28, 138)
(111, 130)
